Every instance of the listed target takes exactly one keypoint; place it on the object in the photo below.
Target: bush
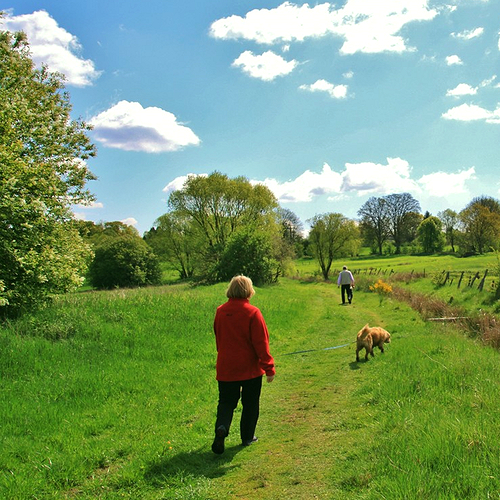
(251, 254)
(124, 262)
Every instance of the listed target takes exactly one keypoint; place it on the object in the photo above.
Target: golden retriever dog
(368, 338)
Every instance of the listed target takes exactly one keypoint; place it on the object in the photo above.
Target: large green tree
(402, 217)
(206, 215)
(430, 234)
(374, 222)
(450, 221)
(332, 236)
(42, 173)
(481, 224)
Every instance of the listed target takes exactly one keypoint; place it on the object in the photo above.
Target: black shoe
(250, 441)
(218, 444)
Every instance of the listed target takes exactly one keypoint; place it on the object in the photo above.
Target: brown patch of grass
(480, 325)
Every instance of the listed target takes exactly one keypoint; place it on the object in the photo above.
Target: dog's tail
(364, 332)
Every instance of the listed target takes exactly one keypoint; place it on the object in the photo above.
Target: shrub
(251, 254)
(124, 262)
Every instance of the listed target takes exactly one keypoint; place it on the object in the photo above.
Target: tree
(374, 221)
(481, 224)
(450, 221)
(332, 236)
(215, 208)
(176, 239)
(42, 173)
(430, 234)
(292, 229)
(399, 208)
(250, 253)
(126, 261)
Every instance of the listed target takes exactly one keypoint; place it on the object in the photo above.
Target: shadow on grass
(192, 464)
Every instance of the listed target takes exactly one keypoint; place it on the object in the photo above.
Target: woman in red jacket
(243, 357)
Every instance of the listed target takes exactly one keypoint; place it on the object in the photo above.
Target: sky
(327, 104)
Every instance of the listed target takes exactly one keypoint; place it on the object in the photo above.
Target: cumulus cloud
(453, 60)
(306, 186)
(129, 221)
(266, 66)
(472, 112)
(369, 27)
(462, 89)
(178, 182)
(129, 126)
(55, 47)
(469, 34)
(368, 178)
(445, 183)
(334, 91)
(360, 179)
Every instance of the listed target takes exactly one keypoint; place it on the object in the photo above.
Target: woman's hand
(270, 378)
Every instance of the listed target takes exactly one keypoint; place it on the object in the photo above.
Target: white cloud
(178, 182)
(305, 186)
(361, 179)
(488, 81)
(443, 183)
(129, 221)
(334, 91)
(283, 24)
(91, 206)
(369, 27)
(129, 126)
(462, 89)
(54, 46)
(469, 34)
(453, 60)
(472, 112)
(266, 66)
(367, 177)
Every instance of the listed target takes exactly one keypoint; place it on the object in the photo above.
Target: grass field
(112, 395)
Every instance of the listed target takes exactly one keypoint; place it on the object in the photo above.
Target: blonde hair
(240, 287)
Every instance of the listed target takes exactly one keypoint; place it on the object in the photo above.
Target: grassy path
(312, 430)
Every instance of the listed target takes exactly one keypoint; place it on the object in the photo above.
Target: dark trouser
(229, 394)
(344, 289)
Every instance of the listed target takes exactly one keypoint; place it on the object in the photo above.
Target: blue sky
(327, 104)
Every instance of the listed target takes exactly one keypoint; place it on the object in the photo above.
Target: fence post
(481, 284)
(476, 276)
(460, 280)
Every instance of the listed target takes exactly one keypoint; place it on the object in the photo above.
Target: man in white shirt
(346, 282)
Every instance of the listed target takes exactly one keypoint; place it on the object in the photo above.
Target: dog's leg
(357, 354)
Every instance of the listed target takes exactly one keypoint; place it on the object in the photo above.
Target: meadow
(108, 395)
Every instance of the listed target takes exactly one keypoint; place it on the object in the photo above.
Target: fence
(463, 278)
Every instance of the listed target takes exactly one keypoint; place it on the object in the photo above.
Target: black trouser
(344, 289)
(229, 395)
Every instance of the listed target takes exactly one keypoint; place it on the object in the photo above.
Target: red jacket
(242, 342)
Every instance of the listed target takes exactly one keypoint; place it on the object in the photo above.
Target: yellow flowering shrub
(382, 289)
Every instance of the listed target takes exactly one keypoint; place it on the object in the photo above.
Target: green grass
(113, 395)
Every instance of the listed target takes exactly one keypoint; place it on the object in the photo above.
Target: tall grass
(112, 395)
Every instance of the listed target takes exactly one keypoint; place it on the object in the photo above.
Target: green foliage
(332, 236)
(251, 254)
(124, 262)
(481, 223)
(42, 173)
(203, 218)
(430, 235)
